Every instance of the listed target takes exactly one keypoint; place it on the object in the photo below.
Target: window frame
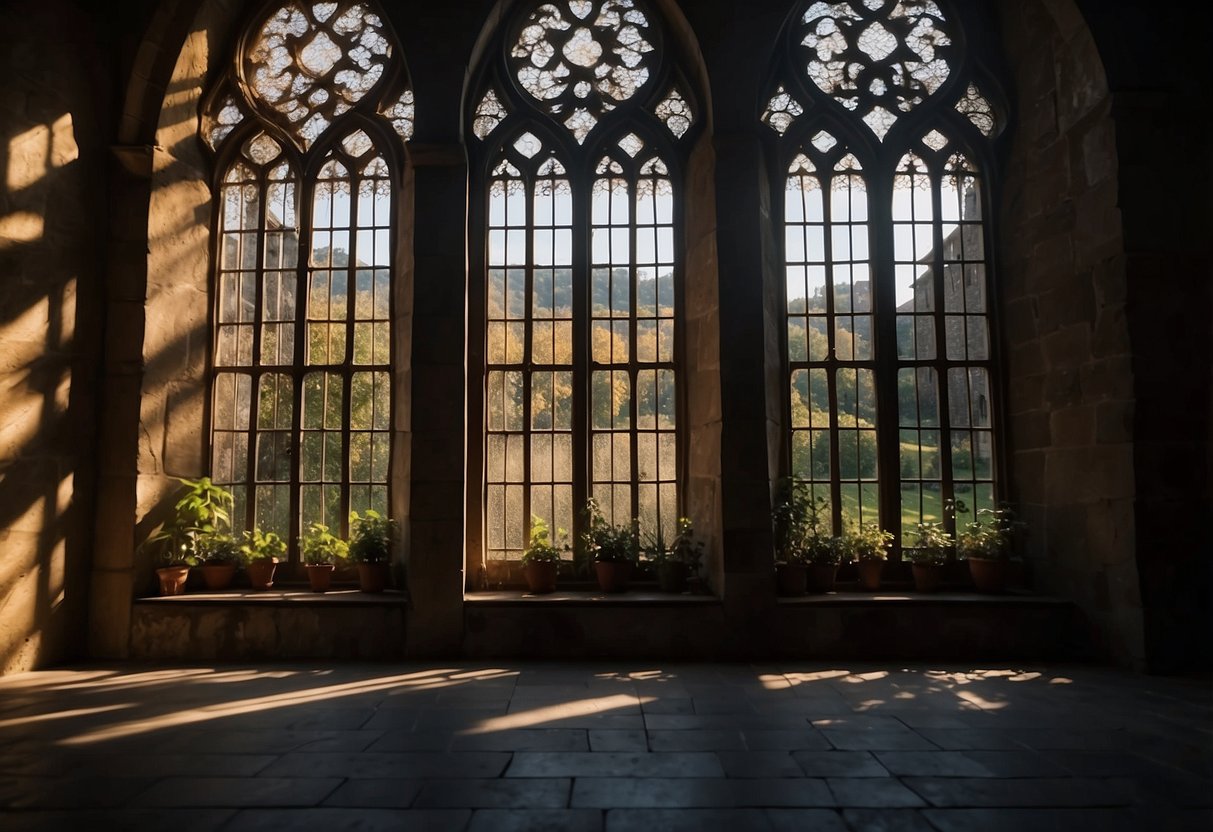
(879, 159)
(389, 144)
(523, 114)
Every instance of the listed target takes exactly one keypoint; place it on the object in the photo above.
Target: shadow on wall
(49, 255)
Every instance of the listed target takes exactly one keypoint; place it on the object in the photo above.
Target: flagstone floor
(619, 746)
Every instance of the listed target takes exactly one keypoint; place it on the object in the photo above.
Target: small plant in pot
(930, 554)
(261, 551)
(202, 510)
(867, 545)
(986, 544)
(612, 549)
(541, 558)
(321, 551)
(370, 550)
(676, 561)
(799, 536)
(220, 555)
(824, 555)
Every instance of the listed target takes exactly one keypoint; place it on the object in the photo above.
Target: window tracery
(301, 385)
(596, 115)
(886, 236)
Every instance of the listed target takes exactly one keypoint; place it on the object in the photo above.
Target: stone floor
(617, 747)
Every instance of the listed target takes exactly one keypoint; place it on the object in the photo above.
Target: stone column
(751, 424)
(111, 587)
(436, 491)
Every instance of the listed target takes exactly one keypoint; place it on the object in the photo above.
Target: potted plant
(202, 509)
(321, 550)
(677, 561)
(261, 553)
(824, 555)
(800, 538)
(931, 552)
(220, 555)
(540, 559)
(371, 548)
(612, 549)
(986, 544)
(867, 545)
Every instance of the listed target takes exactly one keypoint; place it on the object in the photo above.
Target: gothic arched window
(882, 123)
(306, 127)
(580, 127)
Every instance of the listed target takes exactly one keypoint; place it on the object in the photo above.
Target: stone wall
(1160, 86)
(158, 304)
(1104, 288)
(53, 108)
(1070, 398)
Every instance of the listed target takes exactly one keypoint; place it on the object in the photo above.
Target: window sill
(584, 598)
(910, 597)
(288, 596)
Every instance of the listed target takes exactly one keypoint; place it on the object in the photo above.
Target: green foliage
(540, 548)
(802, 527)
(371, 537)
(684, 548)
(259, 545)
(219, 547)
(202, 509)
(932, 545)
(867, 541)
(319, 546)
(989, 536)
(602, 541)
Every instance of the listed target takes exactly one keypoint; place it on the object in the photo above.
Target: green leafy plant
(989, 536)
(802, 527)
(218, 548)
(202, 509)
(933, 544)
(371, 537)
(684, 548)
(321, 546)
(864, 542)
(259, 545)
(602, 541)
(540, 548)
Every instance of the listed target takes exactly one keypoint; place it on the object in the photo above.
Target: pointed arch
(595, 381)
(890, 345)
(306, 126)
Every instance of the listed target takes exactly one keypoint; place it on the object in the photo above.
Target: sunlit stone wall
(49, 259)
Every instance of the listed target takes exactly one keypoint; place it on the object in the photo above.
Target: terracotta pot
(791, 578)
(261, 572)
(821, 576)
(926, 576)
(218, 575)
(672, 576)
(320, 576)
(613, 575)
(372, 577)
(869, 574)
(989, 575)
(172, 579)
(540, 577)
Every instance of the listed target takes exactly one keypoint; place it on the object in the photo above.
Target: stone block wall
(53, 110)
(1104, 295)
(1069, 392)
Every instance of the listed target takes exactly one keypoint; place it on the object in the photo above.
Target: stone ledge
(280, 597)
(893, 625)
(243, 625)
(843, 598)
(580, 598)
